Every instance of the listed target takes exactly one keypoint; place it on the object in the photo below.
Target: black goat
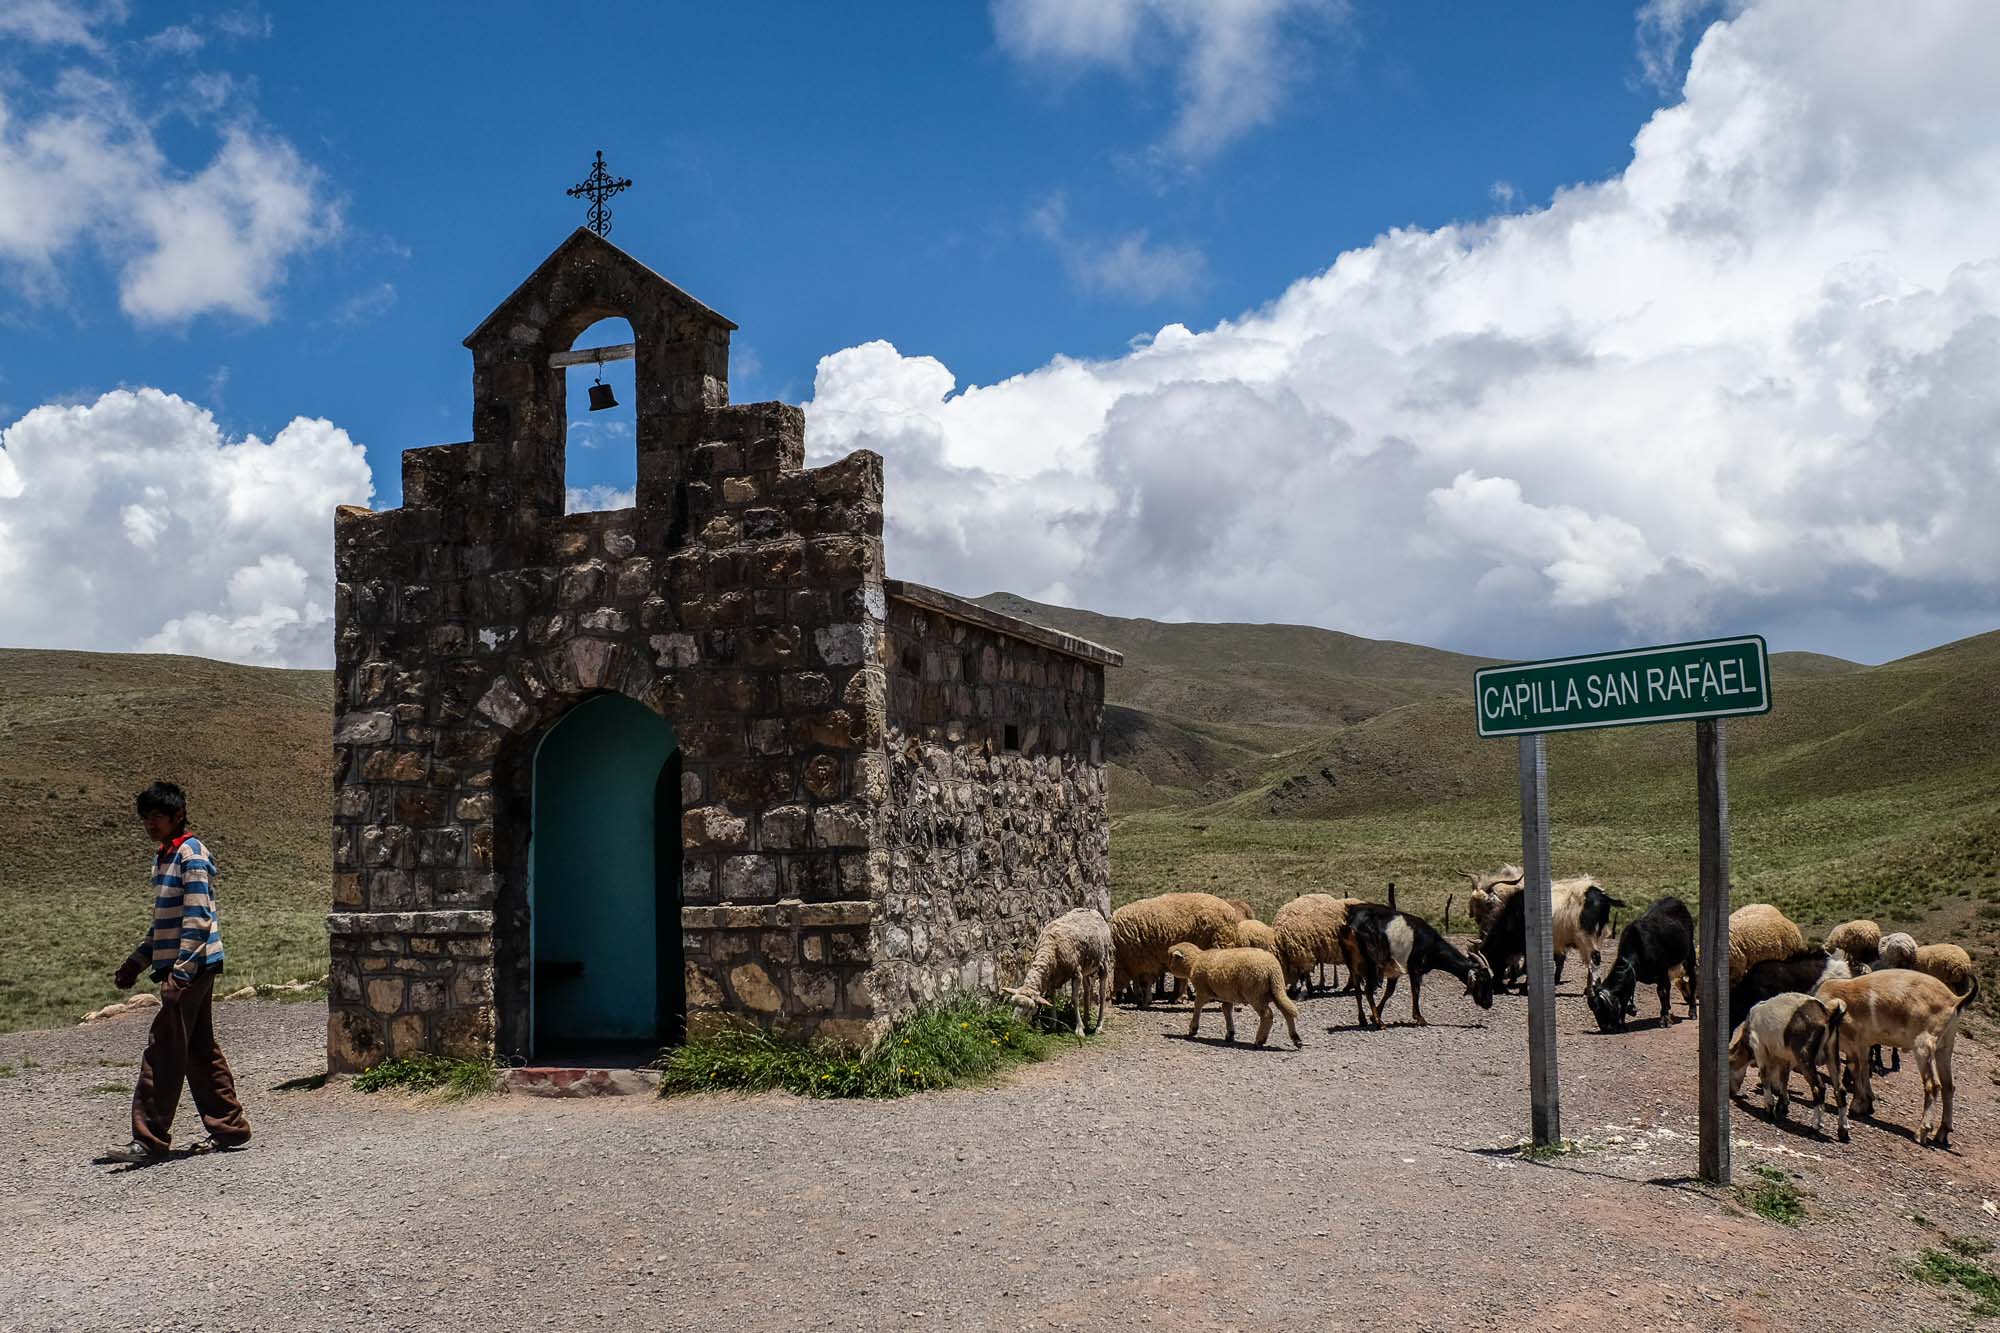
(1658, 949)
(1802, 972)
(1389, 944)
(1505, 944)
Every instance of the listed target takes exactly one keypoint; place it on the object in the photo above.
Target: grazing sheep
(1254, 934)
(1580, 917)
(1231, 977)
(1859, 941)
(1241, 906)
(1308, 935)
(1909, 1010)
(1897, 950)
(1948, 963)
(1757, 932)
(1143, 931)
(1789, 1033)
(1657, 948)
(1389, 944)
(1803, 972)
(1074, 950)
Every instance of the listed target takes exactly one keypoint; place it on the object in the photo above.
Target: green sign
(1674, 683)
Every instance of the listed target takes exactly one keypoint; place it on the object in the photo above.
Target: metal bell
(600, 397)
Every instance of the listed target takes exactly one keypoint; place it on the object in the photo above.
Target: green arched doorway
(604, 883)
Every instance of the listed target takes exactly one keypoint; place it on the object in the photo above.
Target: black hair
(164, 798)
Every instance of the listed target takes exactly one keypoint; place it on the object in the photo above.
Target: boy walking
(184, 951)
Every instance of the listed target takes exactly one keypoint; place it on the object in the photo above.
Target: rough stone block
(714, 826)
(844, 825)
(753, 988)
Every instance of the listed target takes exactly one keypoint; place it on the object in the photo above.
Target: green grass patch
(108, 1090)
(1942, 1268)
(8, 1071)
(453, 1080)
(963, 1040)
(1549, 1152)
(1969, 1247)
(1771, 1195)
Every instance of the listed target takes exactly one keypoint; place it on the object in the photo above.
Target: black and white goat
(1579, 919)
(1388, 944)
(1657, 949)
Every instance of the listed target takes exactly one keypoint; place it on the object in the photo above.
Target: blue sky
(1518, 329)
(825, 175)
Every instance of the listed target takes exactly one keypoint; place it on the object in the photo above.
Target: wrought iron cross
(597, 187)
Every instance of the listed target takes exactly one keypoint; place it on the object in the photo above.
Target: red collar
(174, 844)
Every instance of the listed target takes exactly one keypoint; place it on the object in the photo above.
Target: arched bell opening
(601, 444)
(603, 893)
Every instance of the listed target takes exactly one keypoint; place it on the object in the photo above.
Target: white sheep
(1075, 951)
(1948, 963)
(1308, 933)
(1231, 977)
(1758, 932)
(1911, 1011)
(1143, 931)
(1788, 1033)
(1897, 950)
(1254, 934)
(1857, 941)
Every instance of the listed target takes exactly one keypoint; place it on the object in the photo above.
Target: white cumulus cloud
(84, 174)
(134, 523)
(1752, 381)
(1234, 61)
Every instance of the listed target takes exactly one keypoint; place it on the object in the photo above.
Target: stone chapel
(603, 779)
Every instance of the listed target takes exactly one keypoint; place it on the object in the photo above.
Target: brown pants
(182, 1049)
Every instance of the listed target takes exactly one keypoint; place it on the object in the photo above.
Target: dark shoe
(213, 1144)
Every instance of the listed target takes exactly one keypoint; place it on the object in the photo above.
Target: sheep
(1389, 944)
(1308, 935)
(1896, 950)
(1910, 1010)
(1656, 948)
(1143, 931)
(1241, 906)
(1580, 914)
(1074, 949)
(1804, 971)
(1231, 977)
(1948, 963)
(1786, 1033)
(1858, 941)
(1757, 932)
(1254, 934)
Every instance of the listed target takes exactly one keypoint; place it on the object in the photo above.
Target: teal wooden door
(603, 892)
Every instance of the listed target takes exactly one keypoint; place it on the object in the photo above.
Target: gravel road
(1143, 1181)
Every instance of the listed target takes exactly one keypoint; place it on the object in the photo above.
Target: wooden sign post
(1699, 682)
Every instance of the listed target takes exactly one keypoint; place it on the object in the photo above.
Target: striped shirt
(186, 937)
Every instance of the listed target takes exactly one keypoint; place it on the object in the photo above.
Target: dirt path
(1145, 1181)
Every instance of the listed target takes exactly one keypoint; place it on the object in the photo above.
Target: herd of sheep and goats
(1826, 1014)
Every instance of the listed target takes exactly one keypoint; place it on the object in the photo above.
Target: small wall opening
(606, 974)
(601, 450)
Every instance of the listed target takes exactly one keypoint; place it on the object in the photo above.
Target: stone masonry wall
(996, 818)
(464, 633)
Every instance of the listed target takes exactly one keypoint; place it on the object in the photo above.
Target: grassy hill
(80, 733)
(1194, 703)
(1263, 760)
